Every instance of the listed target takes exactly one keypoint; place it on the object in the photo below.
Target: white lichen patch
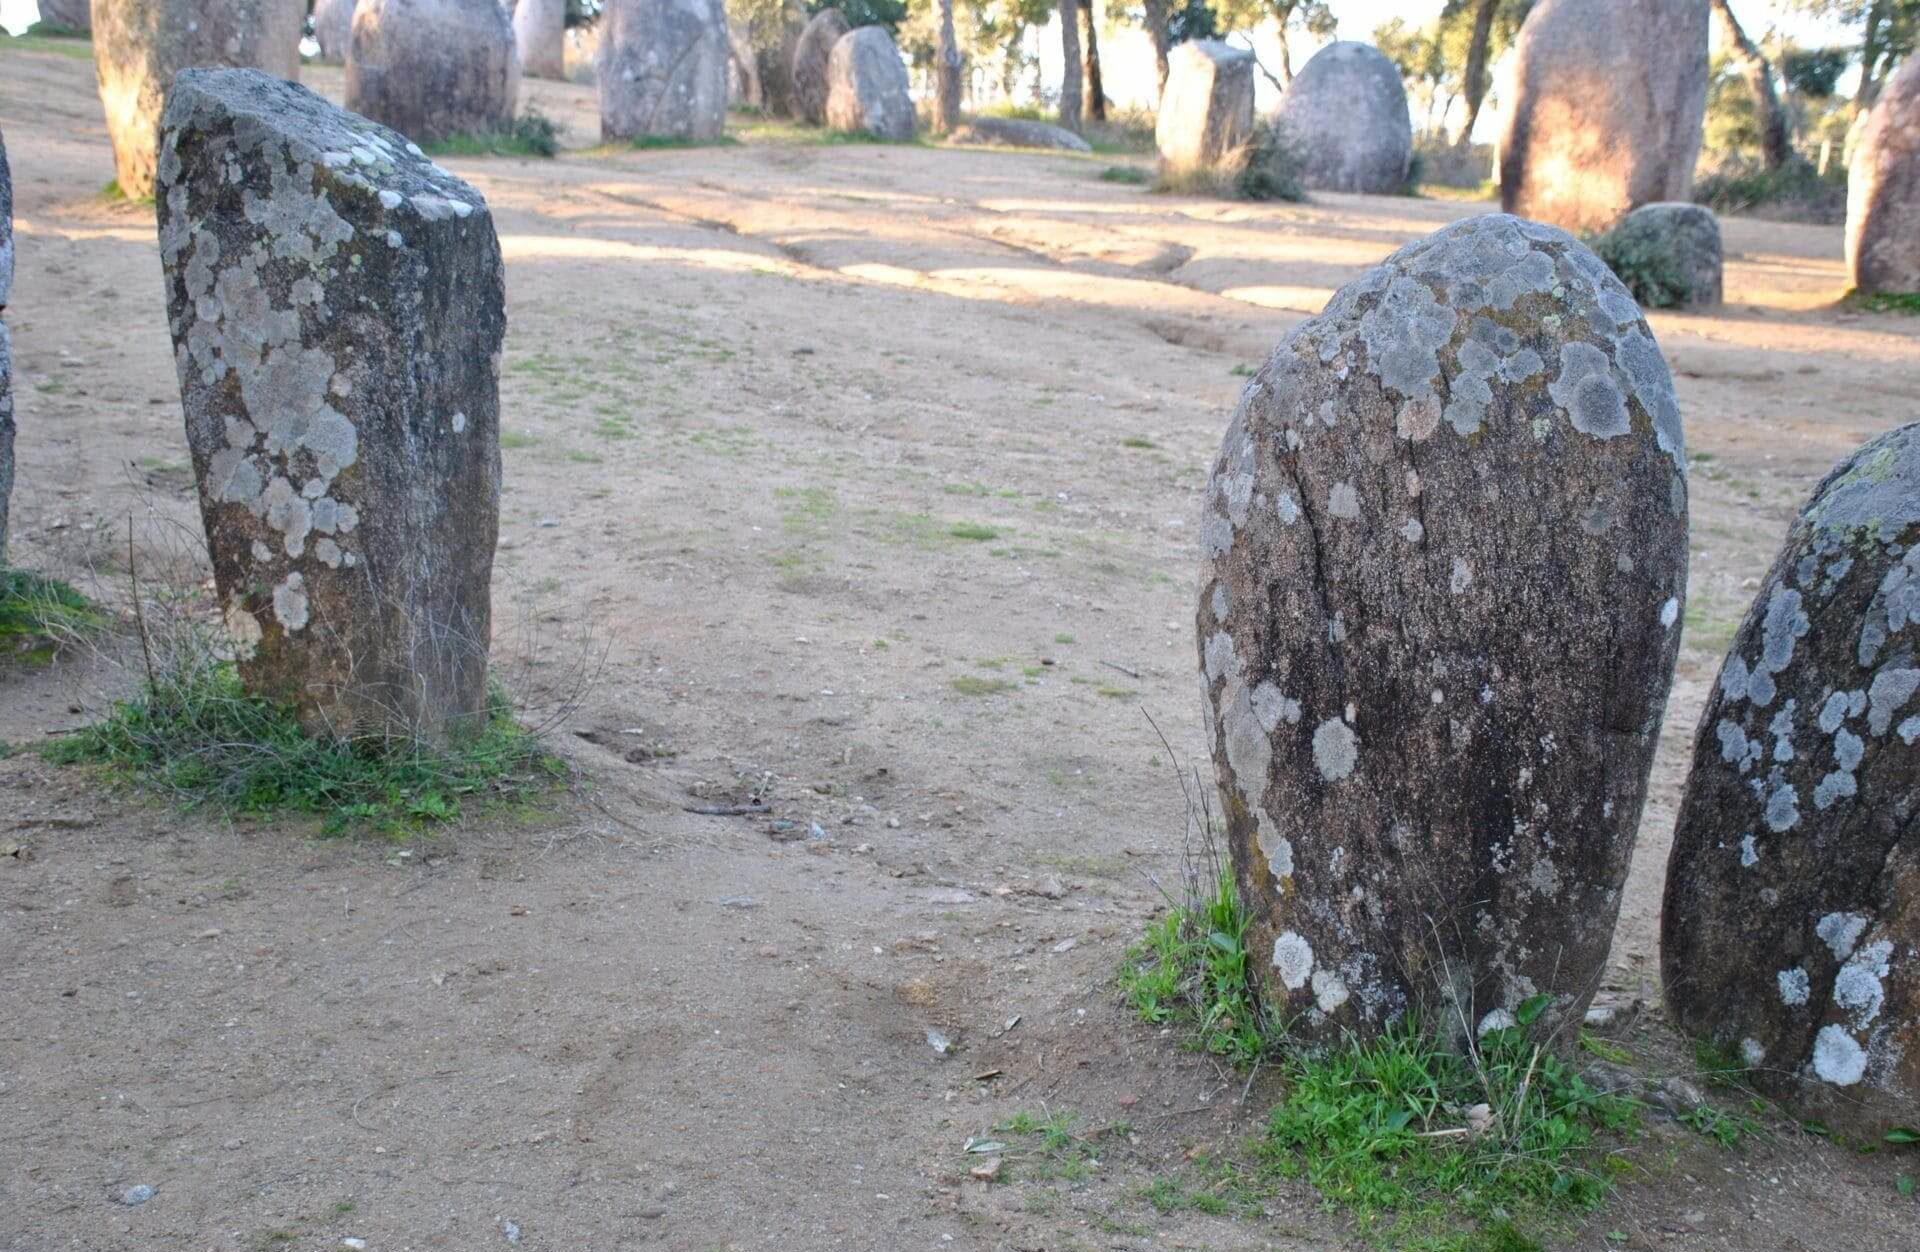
(1670, 612)
(1292, 960)
(1343, 501)
(1841, 932)
(1335, 749)
(1753, 1052)
(1837, 1058)
(1795, 987)
(290, 602)
(1462, 576)
(1329, 989)
(243, 630)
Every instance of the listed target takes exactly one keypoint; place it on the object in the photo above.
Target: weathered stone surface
(1018, 132)
(1206, 109)
(810, 56)
(139, 45)
(1688, 235)
(662, 70)
(337, 309)
(66, 14)
(1791, 927)
(1445, 557)
(1609, 96)
(433, 68)
(1345, 117)
(867, 89)
(6, 346)
(332, 27)
(1883, 190)
(540, 32)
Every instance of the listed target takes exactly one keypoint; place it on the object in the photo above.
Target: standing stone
(139, 45)
(1608, 100)
(433, 68)
(1791, 928)
(662, 70)
(1445, 552)
(773, 56)
(867, 89)
(337, 303)
(1345, 117)
(6, 346)
(1883, 190)
(1206, 109)
(332, 27)
(810, 57)
(74, 15)
(1687, 236)
(540, 31)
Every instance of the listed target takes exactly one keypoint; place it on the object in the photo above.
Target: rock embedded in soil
(661, 67)
(1345, 118)
(1206, 110)
(1445, 550)
(139, 45)
(6, 346)
(540, 34)
(432, 69)
(810, 57)
(1883, 190)
(337, 309)
(867, 89)
(1686, 237)
(1608, 101)
(1018, 132)
(1790, 933)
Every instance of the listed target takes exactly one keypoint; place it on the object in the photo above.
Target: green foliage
(1794, 191)
(1719, 1065)
(1132, 175)
(1272, 168)
(1192, 19)
(1647, 269)
(37, 612)
(1191, 970)
(1432, 59)
(1815, 72)
(887, 13)
(194, 735)
(1724, 1128)
(532, 134)
(1906, 302)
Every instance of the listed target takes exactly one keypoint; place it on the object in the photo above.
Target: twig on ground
(727, 810)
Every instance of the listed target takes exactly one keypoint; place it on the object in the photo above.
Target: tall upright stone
(333, 27)
(337, 303)
(1608, 100)
(1206, 108)
(811, 55)
(6, 346)
(661, 69)
(1790, 934)
(139, 45)
(1883, 190)
(867, 89)
(540, 31)
(1346, 120)
(431, 69)
(73, 15)
(1445, 550)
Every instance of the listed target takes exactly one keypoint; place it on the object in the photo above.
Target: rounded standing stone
(1790, 933)
(1608, 101)
(1345, 117)
(661, 67)
(540, 33)
(810, 57)
(332, 27)
(74, 15)
(867, 89)
(1883, 190)
(1688, 237)
(431, 69)
(337, 305)
(1206, 110)
(1445, 552)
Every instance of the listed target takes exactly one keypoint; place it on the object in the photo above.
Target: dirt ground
(873, 473)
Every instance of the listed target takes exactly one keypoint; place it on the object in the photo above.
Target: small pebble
(136, 1195)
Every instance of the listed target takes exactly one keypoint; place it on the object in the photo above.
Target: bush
(1795, 192)
(1263, 168)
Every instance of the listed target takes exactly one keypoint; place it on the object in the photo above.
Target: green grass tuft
(114, 193)
(1132, 175)
(532, 134)
(1191, 970)
(1907, 302)
(37, 612)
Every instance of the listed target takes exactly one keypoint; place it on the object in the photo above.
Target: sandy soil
(751, 393)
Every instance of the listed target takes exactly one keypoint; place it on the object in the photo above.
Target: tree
(1770, 117)
(1474, 77)
(1155, 19)
(1315, 17)
(1096, 90)
(1071, 70)
(1887, 29)
(946, 76)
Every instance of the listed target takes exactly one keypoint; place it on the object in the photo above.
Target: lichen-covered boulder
(332, 27)
(1791, 928)
(1445, 553)
(540, 32)
(1687, 239)
(1345, 117)
(662, 70)
(1883, 190)
(6, 346)
(810, 57)
(867, 89)
(431, 69)
(139, 45)
(1017, 132)
(74, 15)
(1206, 108)
(337, 304)
(1608, 100)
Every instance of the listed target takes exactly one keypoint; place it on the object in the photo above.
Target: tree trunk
(946, 75)
(1286, 54)
(1156, 11)
(1872, 47)
(1476, 83)
(1774, 149)
(1071, 71)
(1096, 91)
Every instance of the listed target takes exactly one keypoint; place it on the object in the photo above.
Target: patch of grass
(1605, 1049)
(1191, 970)
(114, 193)
(1131, 175)
(1719, 1065)
(1063, 637)
(1138, 441)
(807, 510)
(1726, 1129)
(972, 532)
(37, 612)
(659, 143)
(196, 736)
(974, 685)
(532, 134)
(1043, 1146)
(1904, 302)
(47, 37)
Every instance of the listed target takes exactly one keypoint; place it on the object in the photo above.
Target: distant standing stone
(810, 57)
(337, 309)
(6, 346)
(1883, 190)
(139, 45)
(1445, 550)
(1206, 110)
(432, 69)
(867, 90)
(73, 15)
(1608, 100)
(662, 70)
(1345, 117)
(332, 27)
(1791, 928)
(1688, 236)
(1018, 132)
(540, 32)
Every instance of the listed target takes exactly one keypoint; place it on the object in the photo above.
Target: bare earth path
(874, 472)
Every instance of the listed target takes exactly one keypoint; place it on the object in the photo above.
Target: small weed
(1605, 1049)
(1191, 969)
(974, 685)
(973, 532)
(1116, 693)
(1063, 637)
(114, 193)
(510, 439)
(532, 134)
(37, 612)
(1131, 175)
(1719, 1066)
(1905, 302)
(1724, 1128)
